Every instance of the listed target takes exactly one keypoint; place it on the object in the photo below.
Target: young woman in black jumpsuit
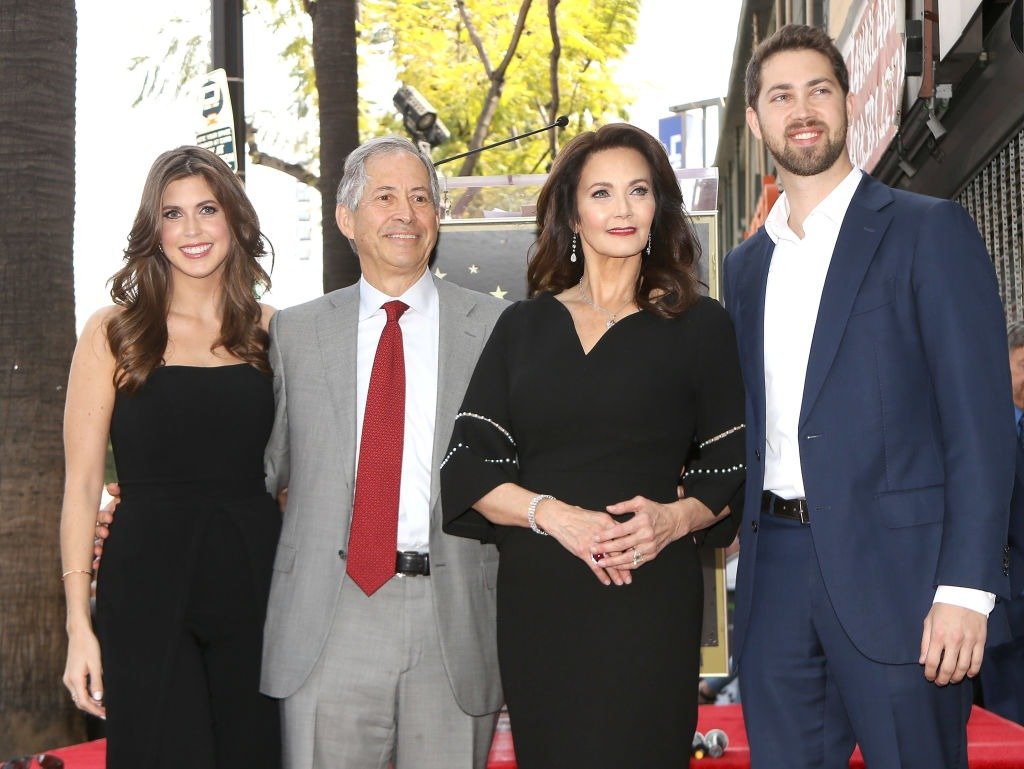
(176, 375)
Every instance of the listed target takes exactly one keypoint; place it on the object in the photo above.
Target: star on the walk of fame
(473, 269)
(440, 275)
(499, 292)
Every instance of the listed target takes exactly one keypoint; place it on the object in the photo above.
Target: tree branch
(483, 123)
(556, 54)
(473, 36)
(295, 170)
(514, 42)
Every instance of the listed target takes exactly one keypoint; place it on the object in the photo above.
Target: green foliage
(187, 55)
(432, 50)
(429, 46)
(286, 122)
(109, 466)
(284, 18)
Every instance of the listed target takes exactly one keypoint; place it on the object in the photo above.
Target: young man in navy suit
(879, 451)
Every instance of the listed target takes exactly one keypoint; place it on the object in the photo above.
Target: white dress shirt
(420, 326)
(796, 279)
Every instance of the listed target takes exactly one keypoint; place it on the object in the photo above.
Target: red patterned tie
(373, 535)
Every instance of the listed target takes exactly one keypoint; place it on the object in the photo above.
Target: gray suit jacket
(312, 451)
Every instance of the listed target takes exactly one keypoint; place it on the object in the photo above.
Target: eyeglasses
(45, 760)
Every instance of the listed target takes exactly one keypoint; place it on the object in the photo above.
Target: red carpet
(993, 743)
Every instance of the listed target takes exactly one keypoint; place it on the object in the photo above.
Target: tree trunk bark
(555, 57)
(497, 78)
(37, 334)
(337, 80)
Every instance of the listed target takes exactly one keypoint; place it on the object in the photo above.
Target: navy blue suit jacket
(1015, 547)
(906, 451)
(1006, 622)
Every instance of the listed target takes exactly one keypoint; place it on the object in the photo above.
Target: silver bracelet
(531, 513)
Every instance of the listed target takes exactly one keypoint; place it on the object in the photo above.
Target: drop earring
(647, 251)
(572, 256)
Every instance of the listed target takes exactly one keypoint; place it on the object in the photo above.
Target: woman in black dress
(175, 373)
(587, 402)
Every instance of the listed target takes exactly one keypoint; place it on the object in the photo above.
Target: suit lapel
(863, 228)
(461, 339)
(752, 320)
(337, 331)
(1020, 467)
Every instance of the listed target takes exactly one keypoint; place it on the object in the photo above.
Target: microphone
(562, 122)
(716, 741)
(698, 748)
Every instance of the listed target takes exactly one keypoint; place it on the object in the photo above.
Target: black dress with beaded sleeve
(599, 676)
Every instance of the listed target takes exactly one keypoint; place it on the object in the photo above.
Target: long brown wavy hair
(667, 283)
(138, 335)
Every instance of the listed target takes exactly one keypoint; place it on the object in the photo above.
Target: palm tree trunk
(337, 80)
(37, 334)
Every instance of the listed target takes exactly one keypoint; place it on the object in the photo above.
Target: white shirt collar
(421, 297)
(833, 208)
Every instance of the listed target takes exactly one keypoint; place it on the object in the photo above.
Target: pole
(226, 32)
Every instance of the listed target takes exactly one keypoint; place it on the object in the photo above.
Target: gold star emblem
(440, 275)
(473, 269)
(499, 293)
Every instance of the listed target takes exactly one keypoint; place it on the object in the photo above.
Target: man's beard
(808, 161)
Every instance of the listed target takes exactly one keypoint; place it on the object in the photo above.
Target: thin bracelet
(531, 513)
(76, 571)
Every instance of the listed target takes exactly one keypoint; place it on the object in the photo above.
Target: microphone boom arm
(562, 122)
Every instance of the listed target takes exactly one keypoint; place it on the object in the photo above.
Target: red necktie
(373, 535)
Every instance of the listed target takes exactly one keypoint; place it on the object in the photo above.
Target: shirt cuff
(966, 597)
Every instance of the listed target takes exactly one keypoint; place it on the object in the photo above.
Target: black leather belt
(412, 564)
(793, 509)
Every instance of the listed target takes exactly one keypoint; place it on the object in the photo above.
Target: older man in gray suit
(399, 668)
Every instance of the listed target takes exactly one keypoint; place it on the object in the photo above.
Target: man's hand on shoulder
(104, 518)
(952, 643)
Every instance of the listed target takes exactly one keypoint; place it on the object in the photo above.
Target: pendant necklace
(612, 319)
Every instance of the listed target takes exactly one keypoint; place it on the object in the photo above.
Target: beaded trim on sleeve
(489, 421)
(496, 426)
(714, 470)
(721, 435)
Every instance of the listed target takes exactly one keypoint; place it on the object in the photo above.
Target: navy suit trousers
(809, 695)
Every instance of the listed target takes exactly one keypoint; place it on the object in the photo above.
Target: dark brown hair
(794, 37)
(667, 282)
(138, 335)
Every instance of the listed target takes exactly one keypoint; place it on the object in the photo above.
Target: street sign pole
(226, 24)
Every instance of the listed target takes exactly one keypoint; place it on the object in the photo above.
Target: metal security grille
(995, 199)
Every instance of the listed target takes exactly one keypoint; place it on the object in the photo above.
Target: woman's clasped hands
(577, 529)
(612, 550)
(628, 545)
